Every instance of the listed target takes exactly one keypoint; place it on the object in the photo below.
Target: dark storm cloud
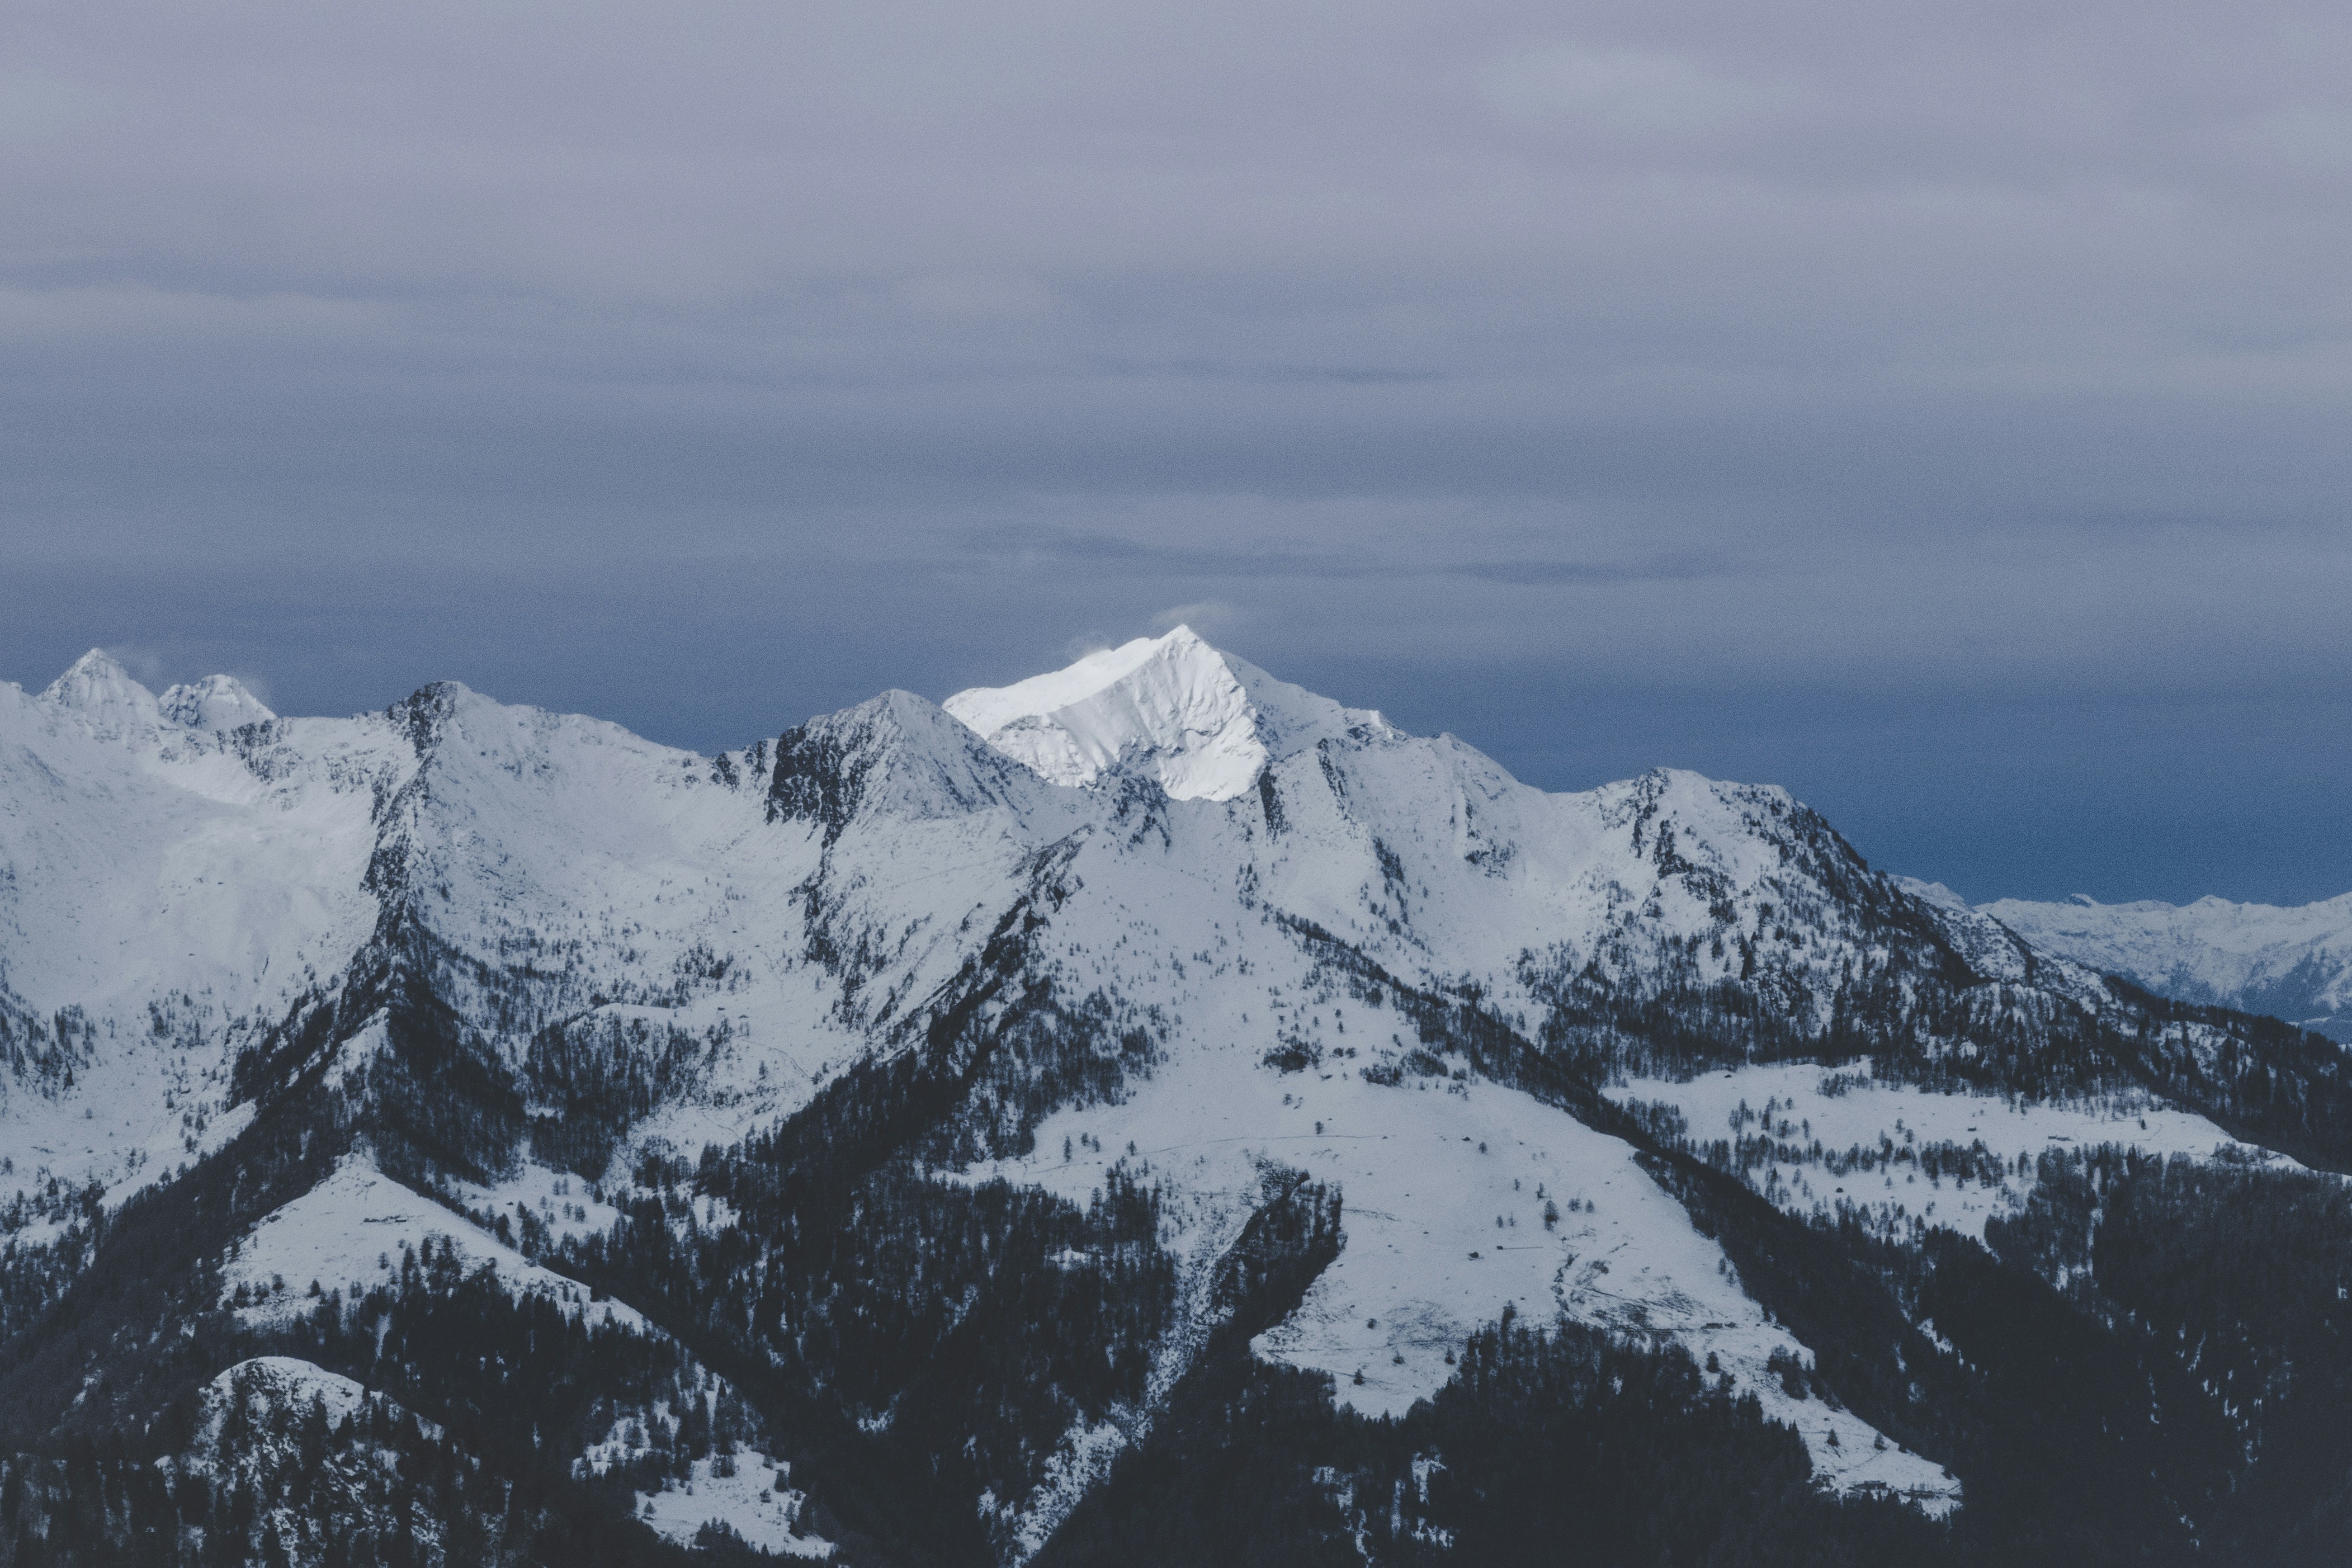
(1758, 366)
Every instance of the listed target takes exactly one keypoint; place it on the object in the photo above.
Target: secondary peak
(215, 702)
(99, 689)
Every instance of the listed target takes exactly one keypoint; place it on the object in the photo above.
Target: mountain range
(1148, 1110)
(2293, 964)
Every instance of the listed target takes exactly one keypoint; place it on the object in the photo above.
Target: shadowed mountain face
(907, 1139)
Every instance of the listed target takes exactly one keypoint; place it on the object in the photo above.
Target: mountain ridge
(1277, 1021)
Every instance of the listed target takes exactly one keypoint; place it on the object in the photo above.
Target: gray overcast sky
(1946, 411)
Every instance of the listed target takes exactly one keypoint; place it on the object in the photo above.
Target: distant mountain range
(1148, 1112)
(2293, 963)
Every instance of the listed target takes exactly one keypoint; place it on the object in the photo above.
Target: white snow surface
(562, 1202)
(285, 1381)
(176, 893)
(164, 894)
(348, 1233)
(215, 702)
(1845, 1108)
(750, 1492)
(755, 1502)
(104, 697)
(147, 863)
(1201, 723)
(1428, 1169)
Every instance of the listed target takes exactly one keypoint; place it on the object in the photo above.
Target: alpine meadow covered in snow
(1147, 1113)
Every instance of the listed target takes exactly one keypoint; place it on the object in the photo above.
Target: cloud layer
(1964, 360)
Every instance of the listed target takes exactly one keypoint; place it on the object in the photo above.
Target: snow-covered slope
(166, 893)
(215, 702)
(2293, 963)
(351, 1232)
(1806, 1131)
(1157, 914)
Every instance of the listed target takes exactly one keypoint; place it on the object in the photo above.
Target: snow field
(1427, 1168)
(753, 1501)
(141, 1117)
(748, 1491)
(1865, 1112)
(151, 862)
(285, 1380)
(348, 1233)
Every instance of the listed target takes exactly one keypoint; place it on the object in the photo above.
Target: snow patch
(284, 1383)
(1447, 1184)
(747, 1492)
(1845, 1109)
(348, 1233)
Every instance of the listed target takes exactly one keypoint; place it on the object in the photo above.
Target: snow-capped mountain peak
(895, 755)
(215, 702)
(98, 689)
(1201, 721)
